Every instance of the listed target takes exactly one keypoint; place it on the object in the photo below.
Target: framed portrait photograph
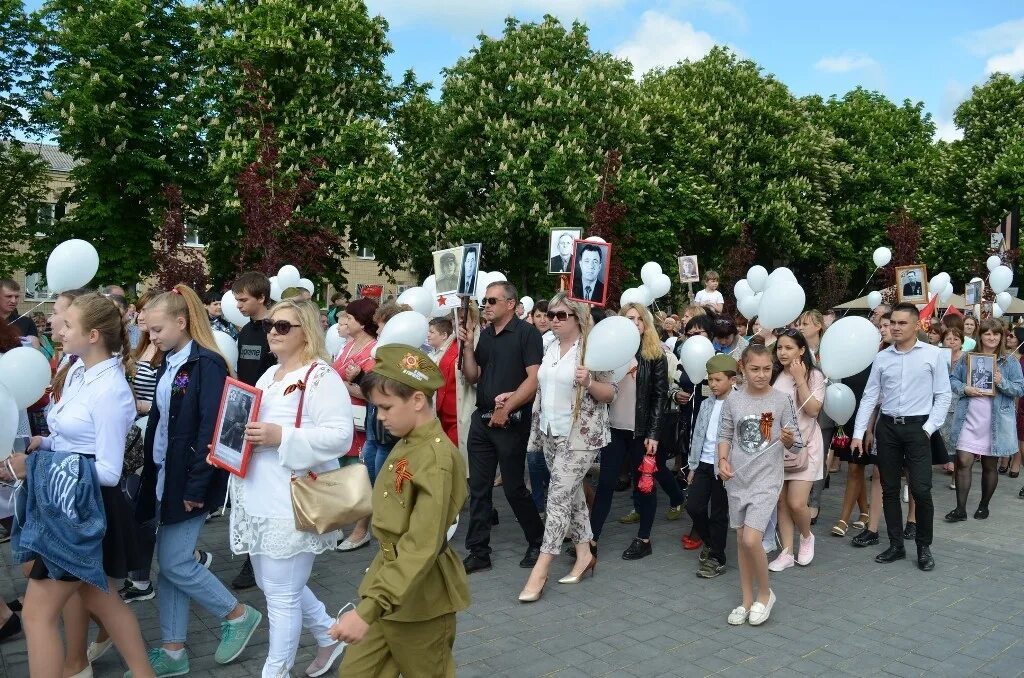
(470, 267)
(588, 278)
(912, 284)
(447, 268)
(560, 250)
(239, 405)
(981, 371)
(974, 292)
(688, 272)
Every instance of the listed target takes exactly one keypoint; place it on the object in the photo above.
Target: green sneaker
(235, 635)
(163, 665)
(710, 569)
(630, 518)
(674, 512)
(705, 553)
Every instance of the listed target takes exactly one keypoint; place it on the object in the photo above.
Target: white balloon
(631, 296)
(229, 308)
(647, 294)
(335, 342)
(969, 344)
(997, 312)
(874, 299)
(307, 284)
(993, 262)
(430, 283)
(848, 346)
(946, 294)
(781, 304)
(276, 292)
(497, 276)
(935, 286)
(694, 357)
(742, 289)
(612, 343)
(527, 303)
(408, 328)
(757, 276)
(228, 348)
(483, 279)
(1004, 299)
(650, 271)
(749, 306)
(595, 238)
(419, 299)
(25, 373)
(840, 402)
(779, 275)
(8, 423)
(71, 264)
(288, 276)
(942, 281)
(1000, 278)
(620, 374)
(881, 257)
(660, 286)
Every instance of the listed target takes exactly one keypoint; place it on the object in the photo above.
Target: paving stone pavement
(843, 615)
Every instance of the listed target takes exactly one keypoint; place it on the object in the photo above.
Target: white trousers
(290, 607)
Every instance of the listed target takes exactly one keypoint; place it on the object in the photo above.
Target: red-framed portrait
(239, 406)
(588, 276)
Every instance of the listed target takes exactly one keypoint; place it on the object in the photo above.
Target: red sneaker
(691, 543)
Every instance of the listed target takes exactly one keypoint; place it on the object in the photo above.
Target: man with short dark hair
(10, 294)
(910, 382)
(587, 285)
(504, 368)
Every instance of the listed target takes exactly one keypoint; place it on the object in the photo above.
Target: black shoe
(14, 605)
(637, 550)
(131, 594)
(494, 517)
(956, 515)
(865, 538)
(11, 628)
(622, 485)
(530, 559)
(476, 564)
(571, 550)
(245, 579)
(891, 554)
(1021, 493)
(204, 558)
(924, 559)
(980, 514)
(910, 532)
(1003, 470)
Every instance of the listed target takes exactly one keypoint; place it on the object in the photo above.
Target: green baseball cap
(408, 365)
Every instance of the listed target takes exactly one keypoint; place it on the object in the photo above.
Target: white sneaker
(738, 616)
(759, 611)
(84, 673)
(906, 494)
(952, 485)
(783, 561)
(97, 650)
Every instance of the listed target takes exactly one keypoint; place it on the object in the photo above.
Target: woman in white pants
(262, 522)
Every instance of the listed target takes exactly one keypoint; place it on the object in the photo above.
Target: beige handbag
(324, 502)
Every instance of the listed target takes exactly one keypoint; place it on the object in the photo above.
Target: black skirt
(121, 553)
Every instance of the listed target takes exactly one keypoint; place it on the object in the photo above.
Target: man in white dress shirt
(910, 382)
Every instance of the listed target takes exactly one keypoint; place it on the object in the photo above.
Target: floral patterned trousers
(567, 513)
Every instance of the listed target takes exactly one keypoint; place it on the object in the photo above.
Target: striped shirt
(144, 383)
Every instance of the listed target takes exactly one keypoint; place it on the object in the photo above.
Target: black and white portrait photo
(591, 261)
(470, 268)
(974, 291)
(981, 371)
(560, 249)
(688, 272)
(447, 265)
(239, 406)
(912, 284)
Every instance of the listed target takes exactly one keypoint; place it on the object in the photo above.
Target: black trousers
(490, 449)
(905, 446)
(708, 506)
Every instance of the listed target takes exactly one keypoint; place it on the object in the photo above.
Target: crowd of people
(496, 397)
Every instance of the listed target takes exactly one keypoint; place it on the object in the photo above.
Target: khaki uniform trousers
(410, 649)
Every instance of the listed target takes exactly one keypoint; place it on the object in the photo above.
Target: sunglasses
(789, 332)
(560, 316)
(493, 301)
(280, 326)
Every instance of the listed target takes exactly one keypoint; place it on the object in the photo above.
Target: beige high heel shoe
(532, 596)
(591, 568)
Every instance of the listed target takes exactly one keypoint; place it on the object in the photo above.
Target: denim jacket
(1004, 422)
(61, 517)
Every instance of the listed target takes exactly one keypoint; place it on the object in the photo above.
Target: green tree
(117, 97)
(515, 145)
(304, 83)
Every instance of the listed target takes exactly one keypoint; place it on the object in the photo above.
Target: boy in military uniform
(405, 623)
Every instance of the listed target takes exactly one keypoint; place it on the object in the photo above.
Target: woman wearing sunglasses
(286, 442)
(570, 425)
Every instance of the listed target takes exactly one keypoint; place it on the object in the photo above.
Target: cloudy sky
(931, 51)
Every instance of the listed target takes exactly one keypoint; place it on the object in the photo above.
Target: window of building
(192, 235)
(364, 253)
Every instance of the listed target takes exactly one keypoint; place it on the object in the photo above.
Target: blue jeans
(183, 579)
(374, 456)
(540, 477)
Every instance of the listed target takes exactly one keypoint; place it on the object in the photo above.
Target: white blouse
(93, 416)
(262, 521)
(557, 390)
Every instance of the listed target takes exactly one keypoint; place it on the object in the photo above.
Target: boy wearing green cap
(405, 622)
(706, 501)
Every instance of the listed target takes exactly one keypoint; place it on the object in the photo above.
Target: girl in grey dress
(758, 422)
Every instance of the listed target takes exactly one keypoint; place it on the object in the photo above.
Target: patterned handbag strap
(302, 395)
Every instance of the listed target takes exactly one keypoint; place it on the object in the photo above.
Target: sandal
(861, 522)
(840, 528)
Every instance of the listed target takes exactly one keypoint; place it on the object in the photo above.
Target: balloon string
(868, 282)
(25, 314)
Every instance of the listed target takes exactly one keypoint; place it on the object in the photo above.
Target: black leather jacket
(651, 396)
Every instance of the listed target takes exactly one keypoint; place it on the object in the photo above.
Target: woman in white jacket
(262, 522)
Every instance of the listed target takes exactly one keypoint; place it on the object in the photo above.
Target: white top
(558, 393)
(548, 338)
(705, 297)
(93, 416)
(162, 398)
(710, 448)
(670, 343)
(908, 384)
(262, 521)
